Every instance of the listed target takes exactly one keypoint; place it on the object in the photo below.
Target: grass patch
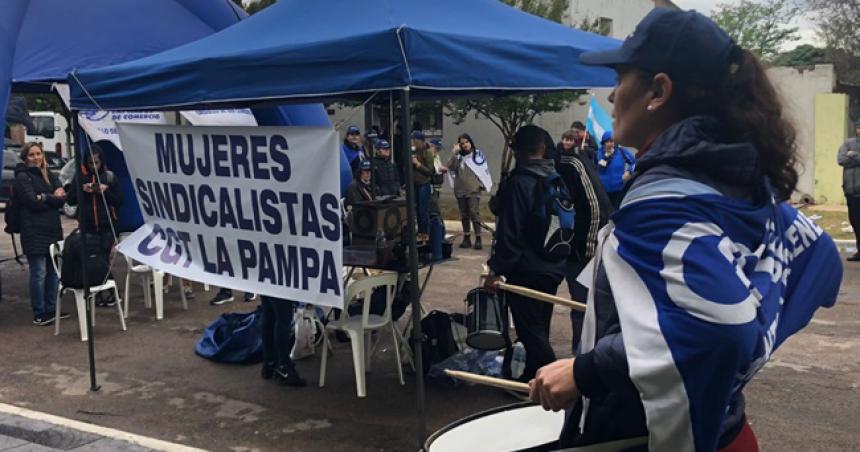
(831, 222)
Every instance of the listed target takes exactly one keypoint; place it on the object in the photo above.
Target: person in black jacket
(593, 208)
(362, 187)
(583, 141)
(40, 196)
(518, 253)
(102, 197)
(385, 174)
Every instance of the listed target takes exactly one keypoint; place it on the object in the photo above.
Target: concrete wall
(831, 121)
(798, 89)
(625, 14)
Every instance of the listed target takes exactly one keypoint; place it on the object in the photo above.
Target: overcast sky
(807, 32)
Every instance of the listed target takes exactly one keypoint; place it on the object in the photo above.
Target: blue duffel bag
(234, 338)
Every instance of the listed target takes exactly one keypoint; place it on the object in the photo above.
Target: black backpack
(438, 343)
(13, 214)
(97, 261)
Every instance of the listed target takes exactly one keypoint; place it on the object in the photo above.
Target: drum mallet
(488, 381)
(534, 294)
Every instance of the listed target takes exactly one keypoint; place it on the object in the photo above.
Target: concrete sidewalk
(31, 431)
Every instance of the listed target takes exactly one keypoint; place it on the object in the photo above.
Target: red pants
(744, 442)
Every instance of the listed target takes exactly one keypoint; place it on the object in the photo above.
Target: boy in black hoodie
(518, 254)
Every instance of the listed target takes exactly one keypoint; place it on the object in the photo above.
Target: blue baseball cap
(686, 45)
(365, 166)
(436, 142)
(381, 144)
(353, 130)
(417, 135)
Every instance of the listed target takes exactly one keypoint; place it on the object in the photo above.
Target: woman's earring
(650, 108)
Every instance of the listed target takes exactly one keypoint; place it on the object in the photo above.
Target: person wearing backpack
(39, 195)
(593, 209)
(519, 254)
(615, 165)
(101, 199)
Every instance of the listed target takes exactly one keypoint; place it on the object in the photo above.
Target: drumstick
(488, 381)
(531, 293)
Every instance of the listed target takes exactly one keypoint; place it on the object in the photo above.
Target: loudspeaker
(369, 217)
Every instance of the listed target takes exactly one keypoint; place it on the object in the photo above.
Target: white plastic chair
(150, 278)
(56, 254)
(359, 327)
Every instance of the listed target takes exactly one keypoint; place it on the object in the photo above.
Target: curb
(138, 440)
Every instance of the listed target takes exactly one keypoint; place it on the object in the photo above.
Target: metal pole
(415, 301)
(77, 181)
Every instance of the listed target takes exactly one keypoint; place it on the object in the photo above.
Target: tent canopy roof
(345, 49)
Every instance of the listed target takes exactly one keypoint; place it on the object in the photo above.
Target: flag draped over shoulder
(707, 287)
(477, 162)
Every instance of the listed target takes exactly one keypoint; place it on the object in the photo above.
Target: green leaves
(760, 27)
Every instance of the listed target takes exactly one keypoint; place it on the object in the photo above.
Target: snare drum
(486, 320)
(508, 428)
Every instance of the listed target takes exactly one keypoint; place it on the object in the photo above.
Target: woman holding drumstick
(705, 270)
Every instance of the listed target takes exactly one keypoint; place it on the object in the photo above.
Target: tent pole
(80, 195)
(406, 155)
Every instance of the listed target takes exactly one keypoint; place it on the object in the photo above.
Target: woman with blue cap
(705, 270)
(615, 165)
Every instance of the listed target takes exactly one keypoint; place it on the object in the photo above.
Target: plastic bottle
(518, 360)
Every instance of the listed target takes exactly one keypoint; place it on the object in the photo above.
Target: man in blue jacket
(518, 252)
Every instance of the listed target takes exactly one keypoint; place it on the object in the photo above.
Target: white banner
(101, 125)
(230, 117)
(254, 209)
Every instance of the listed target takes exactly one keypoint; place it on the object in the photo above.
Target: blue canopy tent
(41, 41)
(296, 51)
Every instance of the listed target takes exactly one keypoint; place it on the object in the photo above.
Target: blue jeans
(43, 285)
(278, 337)
(422, 207)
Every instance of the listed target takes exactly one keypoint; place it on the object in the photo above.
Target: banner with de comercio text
(254, 209)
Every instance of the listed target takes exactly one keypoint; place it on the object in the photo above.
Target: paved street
(807, 398)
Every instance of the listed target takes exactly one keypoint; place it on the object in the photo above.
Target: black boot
(478, 245)
(467, 241)
(268, 371)
(289, 377)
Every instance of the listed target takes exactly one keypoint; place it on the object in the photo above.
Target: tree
(762, 28)
(837, 22)
(509, 113)
(802, 55)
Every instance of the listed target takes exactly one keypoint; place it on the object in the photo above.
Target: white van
(52, 130)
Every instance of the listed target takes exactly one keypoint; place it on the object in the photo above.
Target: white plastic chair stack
(359, 327)
(56, 254)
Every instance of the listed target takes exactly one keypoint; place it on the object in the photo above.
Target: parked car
(10, 159)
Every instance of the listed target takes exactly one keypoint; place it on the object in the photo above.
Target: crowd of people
(715, 158)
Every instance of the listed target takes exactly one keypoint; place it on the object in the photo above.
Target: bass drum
(486, 320)
(518, 427)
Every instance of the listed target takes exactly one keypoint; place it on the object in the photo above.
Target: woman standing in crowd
(701, 274)
(101, 199)
(615, 165)
(278, 339)
(463, 165)
(40, 196)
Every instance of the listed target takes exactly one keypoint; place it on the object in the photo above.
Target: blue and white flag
(706, 288)
(598, 120)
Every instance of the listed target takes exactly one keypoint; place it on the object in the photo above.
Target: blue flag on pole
(598, 120)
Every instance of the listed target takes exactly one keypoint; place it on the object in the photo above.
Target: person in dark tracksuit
(518, 254)
(278, 340)
(593, 208)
